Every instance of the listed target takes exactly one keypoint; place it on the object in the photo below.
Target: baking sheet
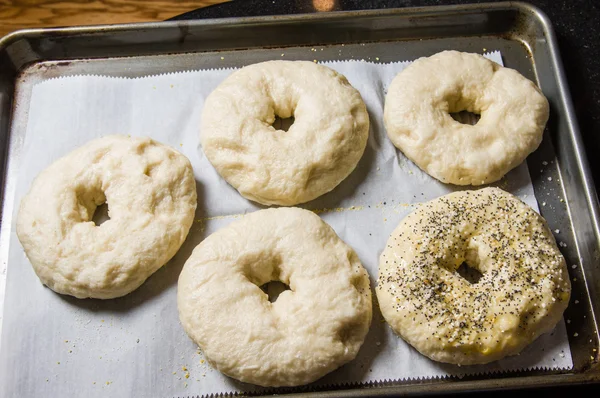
(134, 346)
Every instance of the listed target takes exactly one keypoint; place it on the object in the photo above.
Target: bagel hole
(273, 289)
(466, 117)
(283, 124)
(468, 273)
(101, 214)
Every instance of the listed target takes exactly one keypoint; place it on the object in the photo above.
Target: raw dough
(522, 294)
(417, 117)
(310, 330)
(151, 195)
(269, 166)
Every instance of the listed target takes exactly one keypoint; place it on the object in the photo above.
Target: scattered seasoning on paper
(337, 209)
(549, 178)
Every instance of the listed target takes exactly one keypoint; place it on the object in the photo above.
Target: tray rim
(518, 381)
(277, 19)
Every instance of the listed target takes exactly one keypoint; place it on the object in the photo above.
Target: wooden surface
(20, 14)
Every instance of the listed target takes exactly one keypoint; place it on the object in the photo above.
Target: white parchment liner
(55, 346)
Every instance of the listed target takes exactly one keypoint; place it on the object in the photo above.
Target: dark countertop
(576, 22)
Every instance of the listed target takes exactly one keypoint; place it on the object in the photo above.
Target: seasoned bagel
(522, 293)
(418, 121)
(275, 167)
(310, 330)
(151, 194)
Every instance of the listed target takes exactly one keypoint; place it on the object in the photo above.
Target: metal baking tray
(521, 32)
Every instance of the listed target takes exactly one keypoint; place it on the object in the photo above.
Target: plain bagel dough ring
(151, 194)
(310, 330)
(275, 167)
(522, 294)
(417, 117)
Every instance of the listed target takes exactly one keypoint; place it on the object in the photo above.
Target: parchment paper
(55, 345)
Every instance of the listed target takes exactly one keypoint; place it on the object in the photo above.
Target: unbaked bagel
(418, 121)
(270, 166)
(522, 293)
(151, 194)
(310, 330)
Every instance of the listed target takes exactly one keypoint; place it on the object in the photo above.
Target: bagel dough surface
(311, 329)
(418, 121)
(151, 195)
(275, 167)
(522, 293)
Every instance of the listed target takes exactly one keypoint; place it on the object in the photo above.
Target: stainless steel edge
(448, 388)
(584, 210)
(278, 19)
(591, 271)
(144, 34)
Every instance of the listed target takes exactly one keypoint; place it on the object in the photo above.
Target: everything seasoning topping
(493, 232)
